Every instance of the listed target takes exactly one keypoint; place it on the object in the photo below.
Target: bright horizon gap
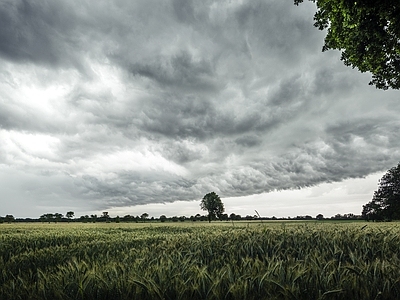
(357, 191)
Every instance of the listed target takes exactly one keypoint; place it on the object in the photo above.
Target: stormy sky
(133, 106)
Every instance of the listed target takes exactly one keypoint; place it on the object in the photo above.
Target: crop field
(292, 260)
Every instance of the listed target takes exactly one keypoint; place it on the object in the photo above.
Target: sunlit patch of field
(198, 260)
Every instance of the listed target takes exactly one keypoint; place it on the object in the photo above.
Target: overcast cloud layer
(118, 103)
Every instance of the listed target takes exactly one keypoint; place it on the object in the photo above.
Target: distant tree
(105, 216)
(42, 218)
(57, 217)
(49, 217)
(94, 218)
(127, 218)
(337, 217)
(385, 203)
(350, 216)
(212, 203)
(144, 216)
(70, 215)
(224, 217)
(9, 218)
(319, 217)
(203, 218)
(367, 33)
(175, 219)
(117, 219)
(182, 218)
(163, 218)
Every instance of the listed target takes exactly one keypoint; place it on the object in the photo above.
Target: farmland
(292, 260)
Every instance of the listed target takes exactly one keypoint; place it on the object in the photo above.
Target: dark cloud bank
(133, 102)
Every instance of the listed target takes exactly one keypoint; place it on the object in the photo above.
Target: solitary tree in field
(385, 204)
(213, 204)
(144, 216)
(367, 33)
(9, 218)
(70, 215)
(106, 216)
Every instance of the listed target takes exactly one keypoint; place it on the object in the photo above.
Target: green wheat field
(269, 260)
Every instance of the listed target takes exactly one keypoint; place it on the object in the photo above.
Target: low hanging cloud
(119, 103)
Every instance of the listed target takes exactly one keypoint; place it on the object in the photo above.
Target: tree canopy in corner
(368, 34)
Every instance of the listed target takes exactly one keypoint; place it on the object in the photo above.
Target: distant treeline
(105, 217)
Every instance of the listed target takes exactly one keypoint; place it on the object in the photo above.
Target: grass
(221, 260)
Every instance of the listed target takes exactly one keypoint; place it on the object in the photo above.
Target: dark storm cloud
(38, 32)
(138, 188)
(248, 141)
(194, 116)
(138, 102)
(219, 33)
(349, 150)
(179, 71)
